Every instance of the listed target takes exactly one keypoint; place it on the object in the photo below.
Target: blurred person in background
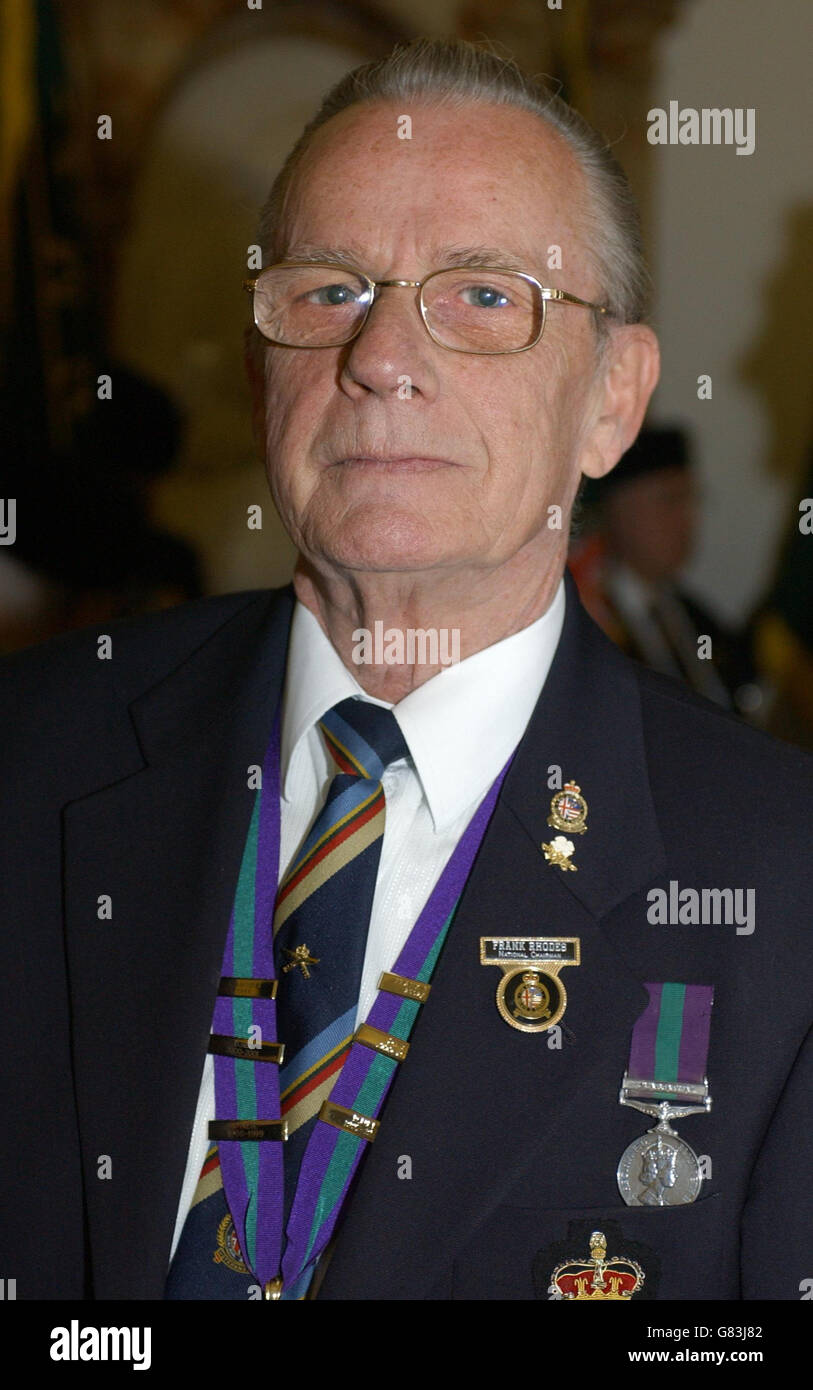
(96, 552)
(639, 530)
(783, 625)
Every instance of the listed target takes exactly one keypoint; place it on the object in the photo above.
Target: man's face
(460, 473)
(651, 520)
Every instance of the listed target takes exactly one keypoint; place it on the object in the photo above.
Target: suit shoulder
(706, 752)
(144, 649)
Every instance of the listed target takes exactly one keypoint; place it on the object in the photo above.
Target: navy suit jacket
(128, 778)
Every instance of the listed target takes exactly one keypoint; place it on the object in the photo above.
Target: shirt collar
(316, 679)
(461, 726)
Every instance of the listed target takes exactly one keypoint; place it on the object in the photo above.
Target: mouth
(394, 463)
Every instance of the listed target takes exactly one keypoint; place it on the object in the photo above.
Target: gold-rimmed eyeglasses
(480, 309)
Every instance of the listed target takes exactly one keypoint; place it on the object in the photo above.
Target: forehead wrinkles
(508, 158)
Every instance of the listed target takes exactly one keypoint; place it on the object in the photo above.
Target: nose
(393, 354)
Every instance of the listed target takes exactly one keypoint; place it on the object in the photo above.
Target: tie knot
(363, 738)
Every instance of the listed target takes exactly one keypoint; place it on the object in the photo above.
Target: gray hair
(452, 72)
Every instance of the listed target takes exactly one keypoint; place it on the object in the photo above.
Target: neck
(395, 631)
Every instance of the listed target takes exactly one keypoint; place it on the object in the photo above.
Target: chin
(395, 541)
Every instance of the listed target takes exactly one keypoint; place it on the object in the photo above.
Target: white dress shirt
(461, 727)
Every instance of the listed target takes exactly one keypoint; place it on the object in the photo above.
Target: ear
(254, 360)
(627, 376)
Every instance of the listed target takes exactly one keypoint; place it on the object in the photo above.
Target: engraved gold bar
(385, 1043)
(404, 987)
(349, 1121)
(242, 987)
(224, 1046)
(243, 1130)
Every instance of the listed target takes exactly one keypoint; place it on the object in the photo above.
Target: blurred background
(125, 433)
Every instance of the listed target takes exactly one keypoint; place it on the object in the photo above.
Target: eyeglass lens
(320, 306)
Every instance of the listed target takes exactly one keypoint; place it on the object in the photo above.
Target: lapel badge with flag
(616, 1278)
(568, 810)
(530, 995)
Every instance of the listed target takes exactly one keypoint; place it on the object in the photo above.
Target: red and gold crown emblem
(568, 810)
(617, 1278)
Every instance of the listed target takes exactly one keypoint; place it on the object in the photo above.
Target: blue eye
(334, 294)
(485, 297)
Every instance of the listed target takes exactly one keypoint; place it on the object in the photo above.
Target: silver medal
(659, 1169)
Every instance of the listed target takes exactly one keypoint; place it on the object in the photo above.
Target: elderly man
(345, 973)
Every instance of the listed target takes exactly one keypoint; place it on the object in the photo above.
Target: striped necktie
(322, 918)
(321, 921)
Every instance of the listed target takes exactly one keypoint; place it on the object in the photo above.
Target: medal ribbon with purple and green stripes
(246, 1089)
(670, 1041)
(249, 1090)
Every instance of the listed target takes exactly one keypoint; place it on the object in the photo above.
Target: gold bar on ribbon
(241, 987)
(245, 1130)
(349, 1121)
(385, 1043)
(404, 987)
(224, 1046)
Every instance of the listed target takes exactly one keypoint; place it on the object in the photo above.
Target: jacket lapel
(163, 844)
(476, 1098)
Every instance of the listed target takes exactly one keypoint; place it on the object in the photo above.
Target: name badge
(530, 996)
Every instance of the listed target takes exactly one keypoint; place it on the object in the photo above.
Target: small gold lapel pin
(559, 851)
(301, 957)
